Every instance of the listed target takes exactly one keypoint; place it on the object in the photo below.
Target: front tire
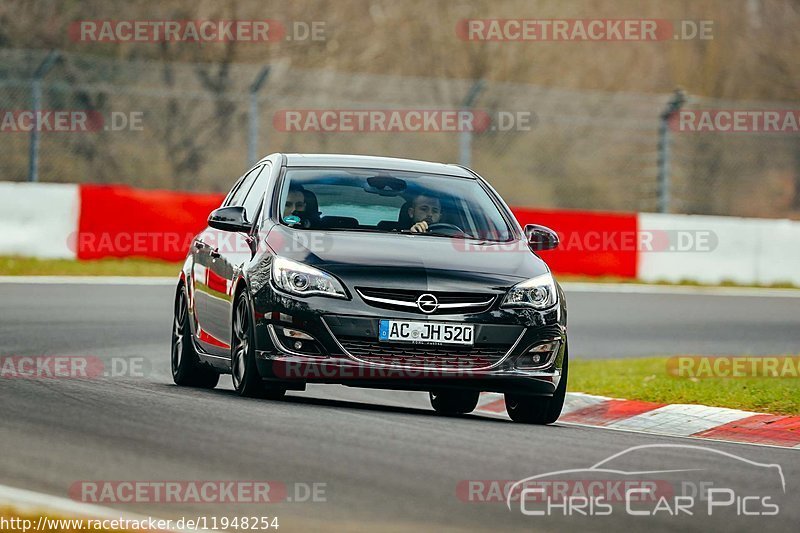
(454, 402)
(244, 372)
(186, 368)
(536, 409)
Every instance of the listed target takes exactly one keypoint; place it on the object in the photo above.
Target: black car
(372, 272)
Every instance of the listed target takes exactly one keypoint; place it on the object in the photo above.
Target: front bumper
(329, 322)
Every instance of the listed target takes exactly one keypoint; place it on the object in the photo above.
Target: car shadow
(362, 406)
(345, 404)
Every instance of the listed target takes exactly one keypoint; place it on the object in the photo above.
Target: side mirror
(541, 237)
(231, 218)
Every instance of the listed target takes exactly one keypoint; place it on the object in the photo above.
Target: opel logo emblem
(427, 303)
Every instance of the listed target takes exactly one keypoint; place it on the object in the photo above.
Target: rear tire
(244, 372)
(454, 402)
(537, 409)
(186, 368)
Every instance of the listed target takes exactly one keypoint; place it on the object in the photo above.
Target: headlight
(303, 280)
(539, 293)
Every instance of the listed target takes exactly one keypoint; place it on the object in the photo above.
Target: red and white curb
(677, 420)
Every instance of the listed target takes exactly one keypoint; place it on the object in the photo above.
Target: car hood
(409, 261)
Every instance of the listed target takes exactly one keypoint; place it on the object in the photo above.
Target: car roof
(377, 162)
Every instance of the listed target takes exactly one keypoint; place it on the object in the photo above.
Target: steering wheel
(439, 226)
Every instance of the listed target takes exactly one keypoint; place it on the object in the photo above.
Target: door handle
(215, 253)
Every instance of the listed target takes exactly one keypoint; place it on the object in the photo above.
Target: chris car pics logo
(652, 482)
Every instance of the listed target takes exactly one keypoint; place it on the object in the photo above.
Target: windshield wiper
(361, 230)
(434, 234)
(391, 232)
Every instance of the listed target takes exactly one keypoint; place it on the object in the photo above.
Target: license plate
(426, 332)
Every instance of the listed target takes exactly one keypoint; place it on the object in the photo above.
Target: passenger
(295, 202)
(311, 216)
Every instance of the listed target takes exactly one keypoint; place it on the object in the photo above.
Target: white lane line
(30, 501)
(88, 280)
(641, 288)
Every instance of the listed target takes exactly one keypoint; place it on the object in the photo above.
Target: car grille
(405, 300)
(428, 356)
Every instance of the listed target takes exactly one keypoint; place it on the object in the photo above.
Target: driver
(424, 211)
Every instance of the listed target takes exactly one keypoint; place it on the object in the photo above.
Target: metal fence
(188, 126)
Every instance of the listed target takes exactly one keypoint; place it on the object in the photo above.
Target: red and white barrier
(592, 243)
(37, 219)
(750, 251)
(117, 221)
(94, 221)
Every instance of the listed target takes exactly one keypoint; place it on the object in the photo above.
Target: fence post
(252, 137)
(674, 105)
(36, 105)
(465, 136)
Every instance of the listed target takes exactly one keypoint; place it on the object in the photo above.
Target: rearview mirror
(541, 237)
(385, 185)
(231, 218)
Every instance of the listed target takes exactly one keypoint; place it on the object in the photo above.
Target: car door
(232, 251)
(212, 279)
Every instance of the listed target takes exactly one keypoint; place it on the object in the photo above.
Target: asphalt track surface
(386, 461)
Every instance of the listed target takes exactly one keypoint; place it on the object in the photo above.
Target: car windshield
(391, 202)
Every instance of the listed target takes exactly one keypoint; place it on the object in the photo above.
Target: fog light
(294, 334)
(294, 341)
(538, 356)
(547, 347)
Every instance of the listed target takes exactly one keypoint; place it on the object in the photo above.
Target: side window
(270, 202)
(239, 194)
(253, 200)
